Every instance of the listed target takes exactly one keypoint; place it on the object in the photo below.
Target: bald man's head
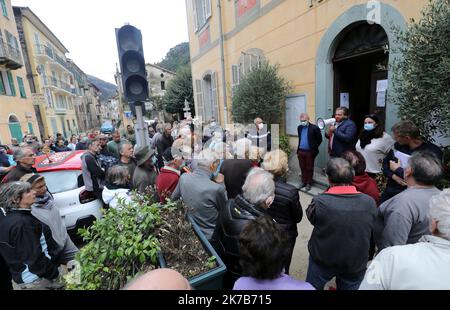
(159, 279)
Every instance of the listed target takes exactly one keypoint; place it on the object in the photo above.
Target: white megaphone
(322, 123)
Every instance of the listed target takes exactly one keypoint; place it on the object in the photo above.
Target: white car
(62, 172)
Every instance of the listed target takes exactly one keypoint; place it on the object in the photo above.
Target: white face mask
(261, 126)
(213, 124)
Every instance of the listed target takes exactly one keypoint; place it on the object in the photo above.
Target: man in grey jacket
(404, 218)
(203, 192)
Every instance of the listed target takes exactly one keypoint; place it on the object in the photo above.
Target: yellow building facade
(333, 52)
(49, 75)
(17, 116)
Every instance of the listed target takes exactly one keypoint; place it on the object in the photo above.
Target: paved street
(299, 264)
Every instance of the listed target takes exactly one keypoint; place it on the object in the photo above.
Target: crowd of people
(234, 187)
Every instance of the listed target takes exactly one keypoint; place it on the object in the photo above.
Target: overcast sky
(86, 28)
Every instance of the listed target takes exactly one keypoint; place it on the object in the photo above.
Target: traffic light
(132, 65)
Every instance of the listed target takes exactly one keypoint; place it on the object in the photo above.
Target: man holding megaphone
(342, 133)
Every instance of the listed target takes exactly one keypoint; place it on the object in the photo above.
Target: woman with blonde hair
(286, 208)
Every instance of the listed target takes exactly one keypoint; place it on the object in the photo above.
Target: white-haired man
(25, 159)
(421, 266)
(203, 193)
(404, 218)
(260, 135)
(258, 194)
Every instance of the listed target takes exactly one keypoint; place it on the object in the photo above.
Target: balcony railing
(62, 62)
(60, 110)
(10, 56)
(65, 86)
(43, 50)
(60, 85)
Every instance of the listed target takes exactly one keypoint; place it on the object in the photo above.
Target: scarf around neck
(366, 138)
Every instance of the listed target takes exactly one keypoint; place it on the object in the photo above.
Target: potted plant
(141, 236)
(186, 249)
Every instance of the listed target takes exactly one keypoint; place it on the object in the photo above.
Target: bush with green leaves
(260, 93)
(422, 72)
(285, 145)
(121, 245)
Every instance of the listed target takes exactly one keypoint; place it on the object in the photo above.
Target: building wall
(154, 79)
(288, 32)
(58, 107)
(21, 108)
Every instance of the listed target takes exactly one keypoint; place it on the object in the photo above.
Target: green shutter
(2, 86)
(4, 9)
(30, 128)
(21, 87)
(11, 84)
(16, 131)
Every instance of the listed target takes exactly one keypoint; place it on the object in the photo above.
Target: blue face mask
(305, 123)
(369, 127)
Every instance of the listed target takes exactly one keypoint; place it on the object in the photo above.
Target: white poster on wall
(295, 105)
(382, 86)
(381, 99)
(345, 100)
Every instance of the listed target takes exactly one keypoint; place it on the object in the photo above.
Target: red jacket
(166, 182)
(368, 186)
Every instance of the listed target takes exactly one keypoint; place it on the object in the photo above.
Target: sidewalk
(294, 178)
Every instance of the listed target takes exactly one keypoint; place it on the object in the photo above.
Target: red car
(62, 172)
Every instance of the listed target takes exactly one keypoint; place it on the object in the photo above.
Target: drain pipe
(222, 61)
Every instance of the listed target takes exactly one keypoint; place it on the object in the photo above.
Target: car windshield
(61, 181)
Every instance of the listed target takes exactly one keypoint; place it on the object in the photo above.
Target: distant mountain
(177, 57)
(108, 90)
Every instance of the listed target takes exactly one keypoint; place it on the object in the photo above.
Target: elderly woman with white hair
(286, 208)
(421, 266)
(258, 195)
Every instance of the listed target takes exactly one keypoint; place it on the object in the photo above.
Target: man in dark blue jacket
(342, 135)
(309, 140)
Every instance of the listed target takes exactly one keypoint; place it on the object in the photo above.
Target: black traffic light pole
(134, 75)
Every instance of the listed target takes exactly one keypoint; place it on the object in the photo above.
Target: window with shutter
(207, 4)
(4, 8)
(21, 87)
(207, 97)
(202, 11)
(11, 84)
(214, 99)
(2, 85)
(199, 98)
(249, 60)
(194, 9)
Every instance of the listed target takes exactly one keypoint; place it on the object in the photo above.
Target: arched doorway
(391, 20)
(360, 64)
(14, 128)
